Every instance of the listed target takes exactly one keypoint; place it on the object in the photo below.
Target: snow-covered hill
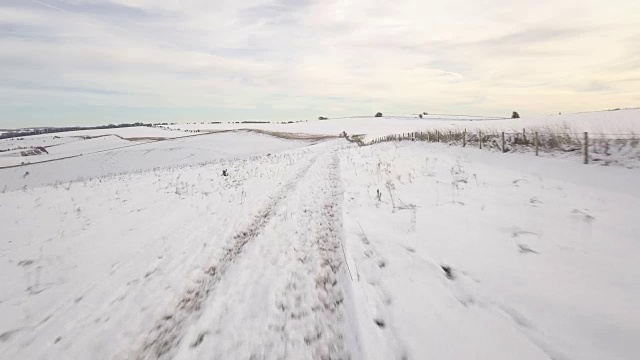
(599, 122)
(15, 151)
(112, 155)
(314, 249)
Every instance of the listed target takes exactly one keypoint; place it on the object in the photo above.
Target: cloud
(63, 89)
(282, 59)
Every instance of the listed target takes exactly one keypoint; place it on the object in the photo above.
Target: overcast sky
(99, 61)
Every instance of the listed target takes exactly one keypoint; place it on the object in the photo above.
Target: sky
(81, 62)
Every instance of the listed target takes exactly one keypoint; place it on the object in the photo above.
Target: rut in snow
(311, 315)
(169, 330)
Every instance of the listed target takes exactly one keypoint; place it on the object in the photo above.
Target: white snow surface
(598, 122)
(64, 150)
(74, 143)
(148, 252)
(130, 132)
(543, 254)
(65, 136)
(141, 156)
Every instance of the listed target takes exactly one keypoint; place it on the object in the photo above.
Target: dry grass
(604, 148)
(148, 138)
(293, 136)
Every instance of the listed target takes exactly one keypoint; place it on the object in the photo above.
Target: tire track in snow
(311, 319)
(168, 331)
(284, 297)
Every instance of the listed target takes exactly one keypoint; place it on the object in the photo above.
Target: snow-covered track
(169, 330)
(283, 296)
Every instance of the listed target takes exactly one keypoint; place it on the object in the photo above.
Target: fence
(603, 145)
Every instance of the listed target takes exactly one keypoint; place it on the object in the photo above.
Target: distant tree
(515, 115)
(323, 118)
(425, 113)
(420, 116)
(379, 114)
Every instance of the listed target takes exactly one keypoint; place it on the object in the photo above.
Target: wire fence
(591, 146)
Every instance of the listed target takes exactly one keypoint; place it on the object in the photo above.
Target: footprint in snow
(517, 232)
(583, 215)
(524, 248)
(534, 202)
(517, 182)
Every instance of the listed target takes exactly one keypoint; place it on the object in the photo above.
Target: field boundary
(593, 147)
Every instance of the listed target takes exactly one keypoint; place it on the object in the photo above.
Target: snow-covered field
(598, 122)
(317, 249)
(135, 132)
(543, 254)
(73, 147)
(143, 156)
(75, 143)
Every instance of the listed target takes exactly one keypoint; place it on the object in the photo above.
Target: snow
(141, 156)
(599, 122)
(74, 143)
(607, 122)
(36, 140)
(371, 126)
(543, 253)
(132, 132)
(104, 256)
(148, 252)
(64, 150)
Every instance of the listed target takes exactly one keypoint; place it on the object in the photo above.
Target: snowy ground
(133, 157)
(542, 252)
(147, 252)
(74, 143)
(598, 122)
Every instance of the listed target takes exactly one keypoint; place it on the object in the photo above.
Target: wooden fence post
(464, 138)
(586, 147)
(438, 135)
(503, 141)
(536, 141)
(524, 135)
(480, 138)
